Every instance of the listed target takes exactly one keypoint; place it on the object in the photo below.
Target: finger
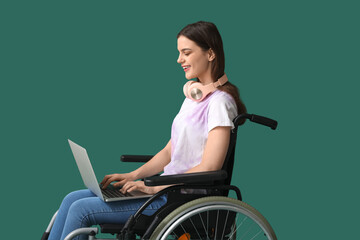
(120, 183)
(132, 188)
(105, 178)
(108, 182)
(105, 183)
(126, 187)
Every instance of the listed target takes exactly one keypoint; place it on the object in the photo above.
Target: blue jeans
(83, 209)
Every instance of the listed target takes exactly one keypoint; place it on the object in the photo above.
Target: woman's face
(195, 61)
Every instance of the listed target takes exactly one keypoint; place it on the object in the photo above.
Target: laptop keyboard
(114, 193)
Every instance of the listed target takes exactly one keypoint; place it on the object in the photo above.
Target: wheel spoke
(195, 228)
(256, 234)
(207, 235)
(251, 226)
(182, 228)
(175, 235)
(217, 220)
(222, 235)
(207, 220)
(238, 227)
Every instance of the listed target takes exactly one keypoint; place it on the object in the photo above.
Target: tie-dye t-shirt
(192, 125)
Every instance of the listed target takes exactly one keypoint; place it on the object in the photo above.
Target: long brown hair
(207, 36)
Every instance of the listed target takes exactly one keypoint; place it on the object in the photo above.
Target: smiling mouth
(186, 68)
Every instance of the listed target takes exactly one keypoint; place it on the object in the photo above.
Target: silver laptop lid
(85, 168)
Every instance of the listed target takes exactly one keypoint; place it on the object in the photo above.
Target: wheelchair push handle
(257, 119)
(264, 121)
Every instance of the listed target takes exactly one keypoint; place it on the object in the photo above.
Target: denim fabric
(83, 209)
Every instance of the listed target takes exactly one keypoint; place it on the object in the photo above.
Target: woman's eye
(186, 54)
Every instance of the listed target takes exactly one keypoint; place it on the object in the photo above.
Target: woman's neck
(206, 79)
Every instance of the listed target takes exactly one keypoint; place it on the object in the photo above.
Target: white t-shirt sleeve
(222, 111)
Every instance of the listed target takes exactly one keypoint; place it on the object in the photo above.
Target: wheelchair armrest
(187, 178)
(135, 158)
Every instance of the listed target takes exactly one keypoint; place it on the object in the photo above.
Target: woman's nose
(179, 60)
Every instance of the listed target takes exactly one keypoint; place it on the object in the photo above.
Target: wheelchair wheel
(214, 218)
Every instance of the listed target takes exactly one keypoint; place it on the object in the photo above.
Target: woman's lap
(83, 209)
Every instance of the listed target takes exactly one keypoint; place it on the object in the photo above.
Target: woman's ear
(211, 55)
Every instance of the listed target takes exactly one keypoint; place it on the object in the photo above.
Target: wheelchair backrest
(230, 155)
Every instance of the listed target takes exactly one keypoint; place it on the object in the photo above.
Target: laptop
(87, 173)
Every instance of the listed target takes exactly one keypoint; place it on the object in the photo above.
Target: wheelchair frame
(189, 188)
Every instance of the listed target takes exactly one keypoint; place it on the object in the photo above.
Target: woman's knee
(77, 211)
(76, 195)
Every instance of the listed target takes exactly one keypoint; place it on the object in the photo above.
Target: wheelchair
(198, 206)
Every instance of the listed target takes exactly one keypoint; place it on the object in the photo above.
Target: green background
(104, 74)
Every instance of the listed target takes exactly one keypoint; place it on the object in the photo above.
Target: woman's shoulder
(222, 101)
(221, 96)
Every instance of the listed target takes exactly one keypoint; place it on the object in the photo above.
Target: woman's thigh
(90, 211)
(93, 210)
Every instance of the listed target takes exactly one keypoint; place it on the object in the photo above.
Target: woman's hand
(138, 186)
(121, 179)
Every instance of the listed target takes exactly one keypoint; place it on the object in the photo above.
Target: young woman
(199, 136)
